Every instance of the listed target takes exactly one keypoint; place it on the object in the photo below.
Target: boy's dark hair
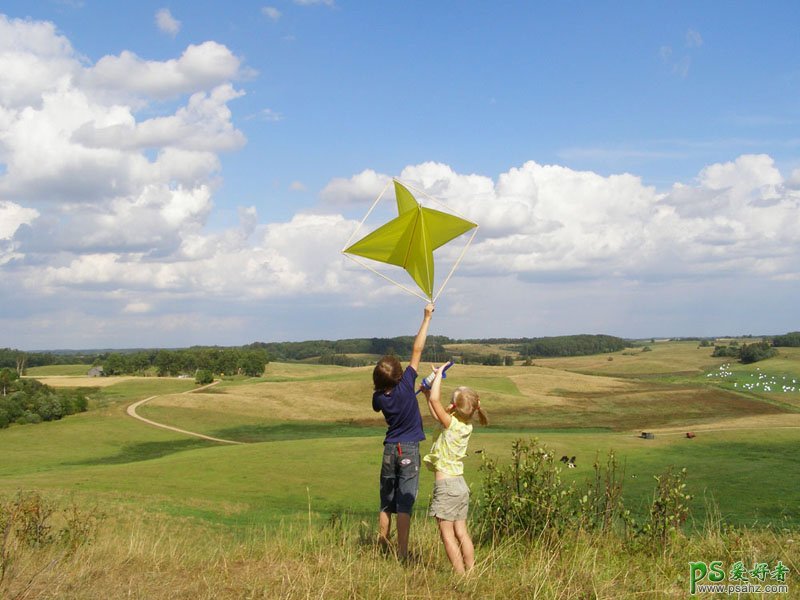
(387, 373)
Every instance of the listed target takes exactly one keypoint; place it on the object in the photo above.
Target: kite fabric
(409, 240)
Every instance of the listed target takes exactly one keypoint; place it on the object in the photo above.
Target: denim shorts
(399, 477)
(450, 499)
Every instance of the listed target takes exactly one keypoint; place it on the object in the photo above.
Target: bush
(27, 521)
(751, 353)
(493, 360)
(203, 377)
(726, 351)
(527, 497)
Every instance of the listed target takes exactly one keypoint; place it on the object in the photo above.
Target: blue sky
(184, 173)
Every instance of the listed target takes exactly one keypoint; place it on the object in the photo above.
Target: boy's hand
(429, 310)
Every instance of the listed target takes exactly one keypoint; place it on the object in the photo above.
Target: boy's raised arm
(422, 335)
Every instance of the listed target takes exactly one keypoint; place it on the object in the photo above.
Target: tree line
(30, 401)
(171, 363)
(571, 345)
(747, 353)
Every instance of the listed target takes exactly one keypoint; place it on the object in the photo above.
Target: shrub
(203, 377)
(751, 353)
(525, 497)
(493, 360)
(528, 498)
(669, 509)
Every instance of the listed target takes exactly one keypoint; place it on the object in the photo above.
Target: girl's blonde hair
(466, 403)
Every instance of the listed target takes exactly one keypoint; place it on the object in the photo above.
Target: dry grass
(72, 381)
(151, 557)
(667, 357)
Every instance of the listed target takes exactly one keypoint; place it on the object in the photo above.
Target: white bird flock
(761, 381)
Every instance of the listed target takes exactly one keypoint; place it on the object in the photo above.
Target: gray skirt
(450, 499)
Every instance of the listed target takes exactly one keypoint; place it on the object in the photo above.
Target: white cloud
(693, 39)
(12, 216)
(271, 12)
(270, 115)
(359, 189)
(200, 67)
(34, 59)
(544, 221)
(106, 208)
(166, 23)
(137, 307)
(314, 2)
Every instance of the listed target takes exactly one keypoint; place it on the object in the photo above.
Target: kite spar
(408, 241)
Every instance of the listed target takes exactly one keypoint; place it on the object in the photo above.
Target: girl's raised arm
(434, 397)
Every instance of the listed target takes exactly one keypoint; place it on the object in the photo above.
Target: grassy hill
(312, 460)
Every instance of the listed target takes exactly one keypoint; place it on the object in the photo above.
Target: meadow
(290, 513)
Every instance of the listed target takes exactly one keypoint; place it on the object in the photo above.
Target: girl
(450, 492)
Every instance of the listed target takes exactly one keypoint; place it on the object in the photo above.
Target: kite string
(453, 270)
(387, 278)
(369, 212)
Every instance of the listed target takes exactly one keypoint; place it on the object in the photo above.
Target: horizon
(656, 339)
(172, 177)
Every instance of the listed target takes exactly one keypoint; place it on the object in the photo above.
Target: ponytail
(482, 416)
(466, 403)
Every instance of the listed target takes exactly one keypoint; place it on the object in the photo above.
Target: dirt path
(131, 410)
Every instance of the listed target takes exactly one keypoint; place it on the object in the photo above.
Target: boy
(395, 397)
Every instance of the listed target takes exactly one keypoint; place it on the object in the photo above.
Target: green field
(312, 443)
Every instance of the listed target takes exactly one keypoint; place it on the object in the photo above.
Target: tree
(253, 363)
(6, 377)
(203, 377)
(114, 364)
(791, 339)
(493, 360)
(751, 353)
(22, 361)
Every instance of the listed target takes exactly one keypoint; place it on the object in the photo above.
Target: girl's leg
(448, 535)
(467, 549)
(384, 527)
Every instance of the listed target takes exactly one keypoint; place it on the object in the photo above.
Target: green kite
(409, 240)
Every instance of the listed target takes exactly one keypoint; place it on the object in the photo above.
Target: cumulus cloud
(359, 189)
(200, 67)
(542, 222)
(166, 23)
(104, 202)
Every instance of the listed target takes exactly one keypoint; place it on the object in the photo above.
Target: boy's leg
(451, 547)
(388, 496)
(403, 528)
(467, 549)
(407, 488)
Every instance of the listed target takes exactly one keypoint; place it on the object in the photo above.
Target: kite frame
(435, 296)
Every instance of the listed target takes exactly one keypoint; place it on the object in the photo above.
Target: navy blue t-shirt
(401, 411)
